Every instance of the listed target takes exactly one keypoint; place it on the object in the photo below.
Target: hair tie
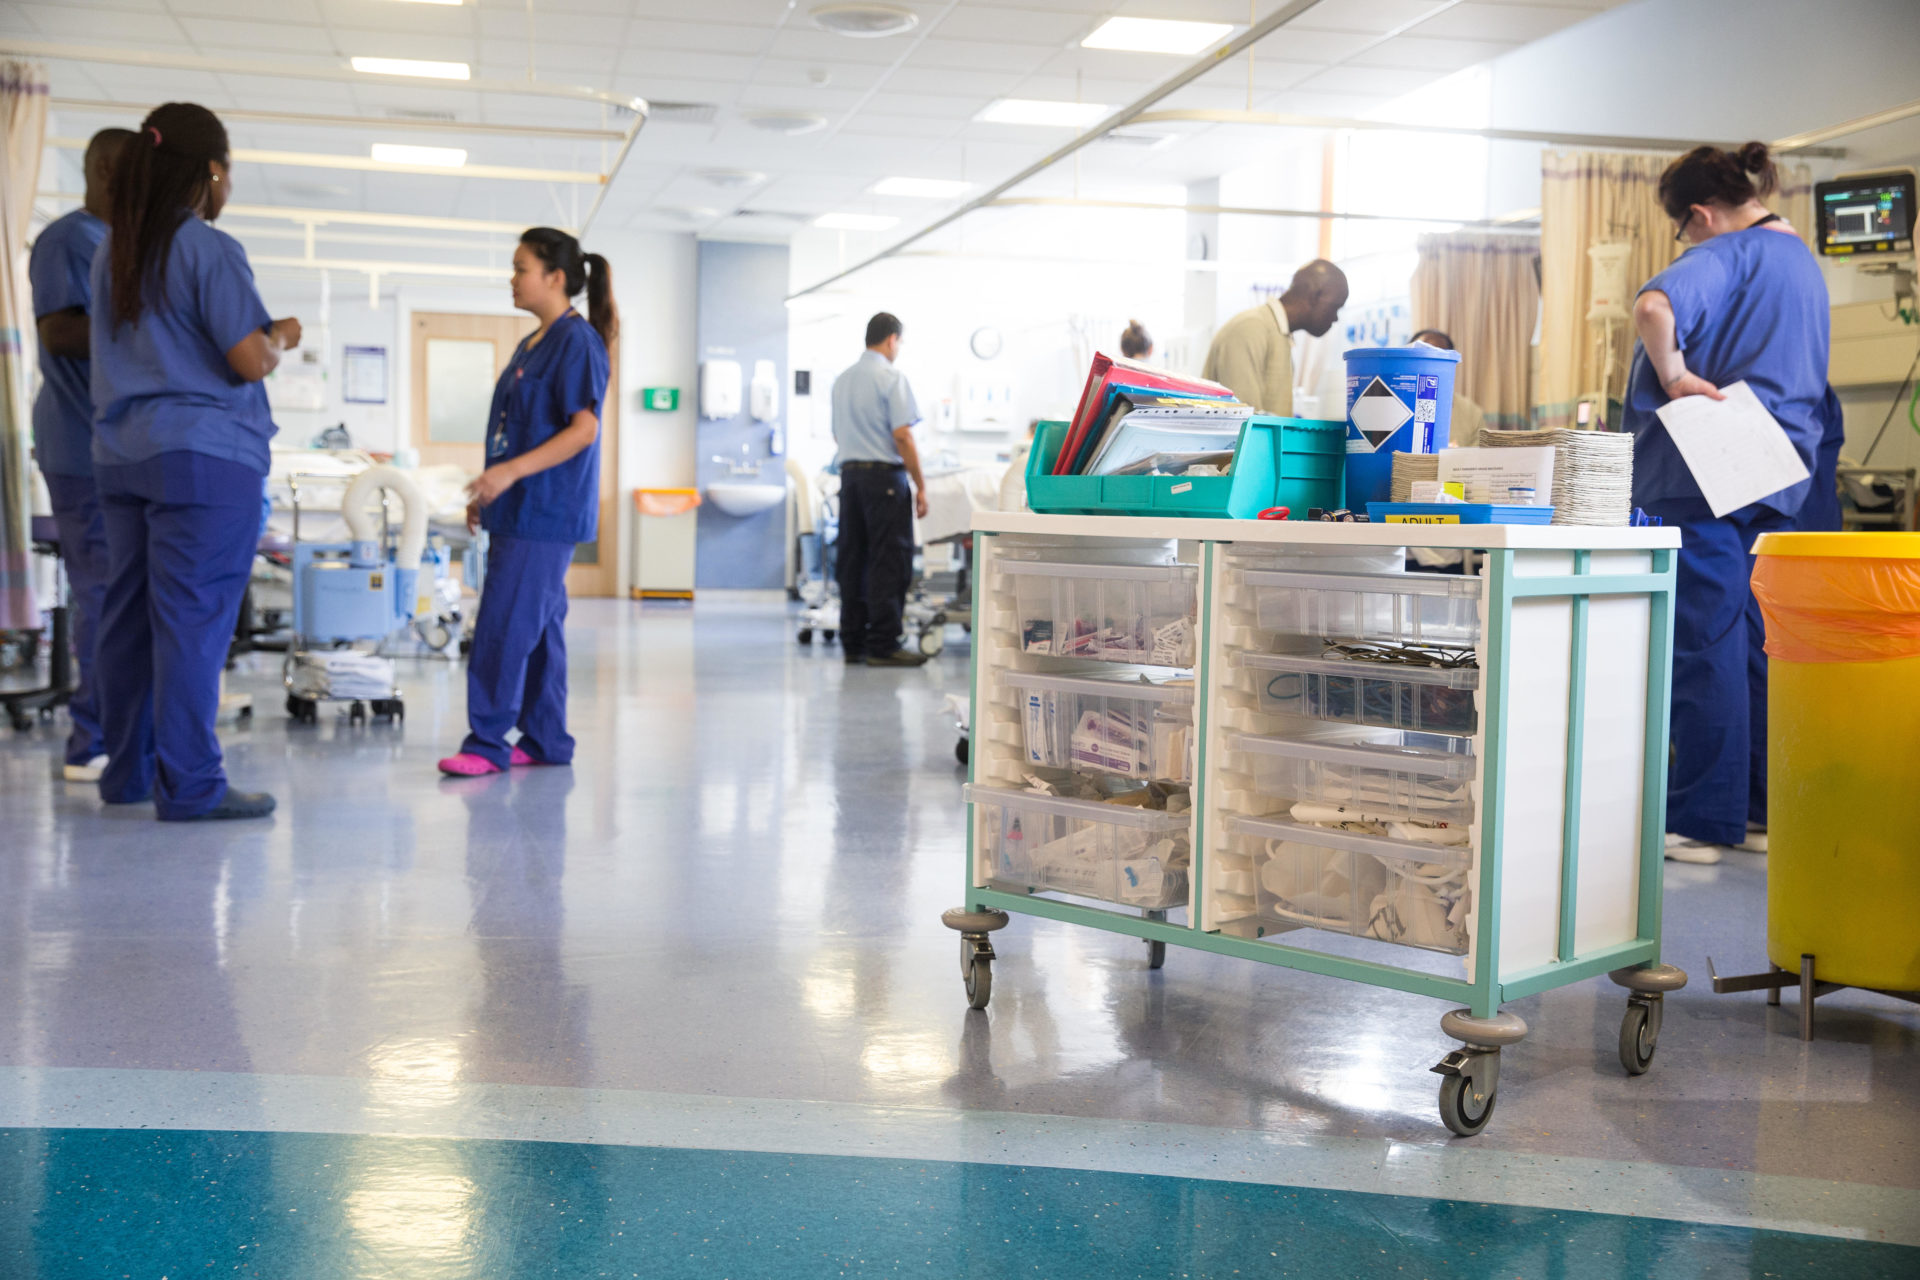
(156, 135)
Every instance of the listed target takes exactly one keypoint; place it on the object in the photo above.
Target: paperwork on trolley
(1736, 450)
(342, 673)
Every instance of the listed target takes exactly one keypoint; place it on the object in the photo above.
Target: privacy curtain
(23, 125)
(1479, 289)
(1587, 197)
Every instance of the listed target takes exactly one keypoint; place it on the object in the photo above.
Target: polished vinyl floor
(687, 1009)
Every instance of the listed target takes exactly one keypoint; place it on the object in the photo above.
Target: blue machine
(345, 591)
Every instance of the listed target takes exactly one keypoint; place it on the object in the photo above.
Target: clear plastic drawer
(1355, 691)
(1111, 612)
(1116, 853)
(1405, 775)
(1367, 886)
(1093, 724)
(1402, 608)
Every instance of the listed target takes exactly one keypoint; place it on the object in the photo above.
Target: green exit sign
(660, 399)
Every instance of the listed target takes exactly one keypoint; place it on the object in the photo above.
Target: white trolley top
(1539, 537)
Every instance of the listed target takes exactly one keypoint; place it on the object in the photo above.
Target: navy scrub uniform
(60, 272)
(180, 454)
(517, 667)
(1749, 305)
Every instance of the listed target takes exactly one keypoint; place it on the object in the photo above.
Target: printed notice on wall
(364, 380)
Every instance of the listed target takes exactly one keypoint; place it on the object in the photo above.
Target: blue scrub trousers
(83, 550)
(181, 532)
(517, 667)
(1717, 782)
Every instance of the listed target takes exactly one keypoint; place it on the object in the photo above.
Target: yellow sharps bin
(1843, 755)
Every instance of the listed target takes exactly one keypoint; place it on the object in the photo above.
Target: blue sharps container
(1399, 400)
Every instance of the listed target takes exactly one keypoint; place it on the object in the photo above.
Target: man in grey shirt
(873, 416)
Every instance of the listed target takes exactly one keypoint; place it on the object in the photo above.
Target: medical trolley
(1272, 740)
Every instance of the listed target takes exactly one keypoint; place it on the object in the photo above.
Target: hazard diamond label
(1377, 413)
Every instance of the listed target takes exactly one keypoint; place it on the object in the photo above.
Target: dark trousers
(876, 557)
(517, 668)
(181, 532)
(1718, 782)
(83, 550)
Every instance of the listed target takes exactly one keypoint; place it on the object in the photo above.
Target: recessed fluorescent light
(1154, 35)
(413, 67)
(854, 221)
(400, 153)
(1070, 115)
(919, 188)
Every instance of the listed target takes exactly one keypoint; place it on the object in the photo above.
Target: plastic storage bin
(1366, 886)
(1136, 857)
(1279, 462)
(1355, 691)
(1402, 608)
(1093, 724)
(1416, 776)
(1109, 612)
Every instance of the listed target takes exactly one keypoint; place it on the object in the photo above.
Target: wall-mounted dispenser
(764, 393)
(720, 389)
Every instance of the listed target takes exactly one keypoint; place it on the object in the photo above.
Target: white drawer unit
(1444, 784)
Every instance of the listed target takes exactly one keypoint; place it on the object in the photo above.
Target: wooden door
(457, 359)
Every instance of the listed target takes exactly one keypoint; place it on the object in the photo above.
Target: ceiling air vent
(790, 123)
(414, 113)
(770, 215)
(1137, 139)
(864, 21)
(681, 112)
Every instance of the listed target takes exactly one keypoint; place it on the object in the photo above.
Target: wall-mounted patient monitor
(1865, 215)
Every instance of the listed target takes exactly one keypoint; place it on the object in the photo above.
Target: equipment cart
(1269, 740)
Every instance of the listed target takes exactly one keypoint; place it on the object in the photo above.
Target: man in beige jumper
(1252, 354)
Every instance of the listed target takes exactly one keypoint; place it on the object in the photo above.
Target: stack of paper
(342, 673)
(1409, 467)
(1592, 472)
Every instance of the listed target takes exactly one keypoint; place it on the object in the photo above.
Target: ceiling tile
(1294, 44)
(218, 33)
(651, 33)
(811, 44)
(973, 55)
(556, 28)
(1013, 26)
(367, 42)
(890, 125)
(1512, 23)
(1422, 54)
(1371, 17)
(681, 64)
(307, 11)
(840, 75)
(61, 22)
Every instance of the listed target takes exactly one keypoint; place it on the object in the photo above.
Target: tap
(744, 465)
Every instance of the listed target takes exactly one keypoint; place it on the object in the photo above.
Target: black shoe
(899, 658)
(856, 659)
(235, 804)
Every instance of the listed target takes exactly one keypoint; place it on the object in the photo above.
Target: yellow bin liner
(1843, 753)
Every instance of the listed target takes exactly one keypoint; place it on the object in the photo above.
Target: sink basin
(746, 499)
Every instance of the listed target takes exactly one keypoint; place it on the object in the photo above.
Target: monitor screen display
(1865, 214)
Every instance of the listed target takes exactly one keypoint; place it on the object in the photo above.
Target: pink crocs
(520, 759)
(467, 765)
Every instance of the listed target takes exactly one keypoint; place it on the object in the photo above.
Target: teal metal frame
(1488, 988)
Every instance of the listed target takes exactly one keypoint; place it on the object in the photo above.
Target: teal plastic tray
(1280, 462)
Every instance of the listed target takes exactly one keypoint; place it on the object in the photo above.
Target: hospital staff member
(1252, 354)
(873, 416)
(60, 270)
(537, 499)
(181, 342)
(1746, 302)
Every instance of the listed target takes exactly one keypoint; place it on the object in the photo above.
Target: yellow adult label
(1399, 518)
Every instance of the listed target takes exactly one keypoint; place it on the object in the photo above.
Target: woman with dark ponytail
(1745, 304)
(538, 497)
(180, 343)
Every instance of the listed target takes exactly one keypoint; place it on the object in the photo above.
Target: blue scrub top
(538, 394)
(59, 271)
(1746, 305)
(163, 384)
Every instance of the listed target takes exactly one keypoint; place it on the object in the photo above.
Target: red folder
(1106, 370)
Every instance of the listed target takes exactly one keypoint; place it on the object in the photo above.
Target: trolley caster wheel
(301, 709)
(21, 722)
(932, 642)
(979, 980)
(1639, 1037)
(806, 635)
(244, 715)
(388, 709)
(1156, 953)
(828, 635)
(1463, 1108)
(357, 713)
(960, 749)
(436, 636)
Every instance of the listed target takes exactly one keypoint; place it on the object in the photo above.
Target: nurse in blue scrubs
(538, 498)
(60, 269)
(181, 342)
(1746, 302)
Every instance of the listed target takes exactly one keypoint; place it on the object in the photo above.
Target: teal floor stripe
(120, 1202)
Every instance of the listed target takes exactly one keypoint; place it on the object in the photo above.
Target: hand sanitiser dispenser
(764, 392)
